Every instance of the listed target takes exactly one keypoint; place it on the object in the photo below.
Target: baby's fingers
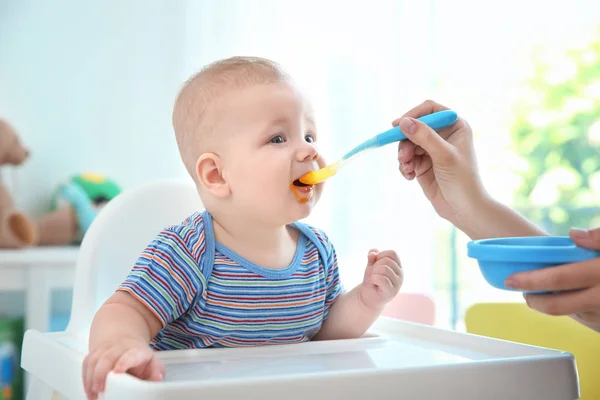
(102, 368)
(154, 370)
(391, 270)
(391, 259)
(372, 257)
(383, 283)
(391, 254)
(87, 370)
(131, 359)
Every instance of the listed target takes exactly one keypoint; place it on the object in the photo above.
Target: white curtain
(351, 60)
(364, 64)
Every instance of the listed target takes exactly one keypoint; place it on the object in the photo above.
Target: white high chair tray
(395, 360)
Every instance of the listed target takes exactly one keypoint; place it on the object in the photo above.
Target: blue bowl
(499, 258)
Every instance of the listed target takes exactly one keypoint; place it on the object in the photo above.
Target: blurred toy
(74, 205)
(16, 228)
(85, 195)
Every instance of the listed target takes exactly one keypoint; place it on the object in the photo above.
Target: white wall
(90, 86)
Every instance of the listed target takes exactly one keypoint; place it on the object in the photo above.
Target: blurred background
(89, 86)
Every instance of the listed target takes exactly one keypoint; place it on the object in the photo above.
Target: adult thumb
(440, 151)
(588, 238)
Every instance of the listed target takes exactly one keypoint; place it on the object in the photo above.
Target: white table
(36, 272)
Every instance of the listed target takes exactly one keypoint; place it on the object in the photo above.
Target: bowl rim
(490, 250)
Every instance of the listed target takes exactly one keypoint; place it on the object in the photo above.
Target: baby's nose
(309, 152)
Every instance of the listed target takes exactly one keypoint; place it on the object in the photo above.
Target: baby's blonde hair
(203, 88)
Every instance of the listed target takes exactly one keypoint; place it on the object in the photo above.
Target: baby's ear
(209, 173)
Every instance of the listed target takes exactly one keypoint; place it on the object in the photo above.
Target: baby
(244, 272)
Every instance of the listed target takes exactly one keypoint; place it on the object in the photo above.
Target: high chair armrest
(56, 360)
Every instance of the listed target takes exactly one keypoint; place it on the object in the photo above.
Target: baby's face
(269, 140)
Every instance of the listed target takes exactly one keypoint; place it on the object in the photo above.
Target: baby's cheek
(272, 188)
(321, 162)
(248, 175)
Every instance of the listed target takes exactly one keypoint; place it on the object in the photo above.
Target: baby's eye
(278, 139)
(310, 138)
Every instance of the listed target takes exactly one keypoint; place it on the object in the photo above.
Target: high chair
(108, 251)
(394, 359)
(519, 323)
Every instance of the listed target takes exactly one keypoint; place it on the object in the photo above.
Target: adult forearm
(492, 219)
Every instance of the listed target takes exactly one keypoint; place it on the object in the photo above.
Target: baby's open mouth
(299, 184)
(303, 193)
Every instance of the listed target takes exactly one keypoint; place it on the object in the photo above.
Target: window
(365, 64)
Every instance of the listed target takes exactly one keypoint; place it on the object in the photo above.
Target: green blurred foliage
(556, 132)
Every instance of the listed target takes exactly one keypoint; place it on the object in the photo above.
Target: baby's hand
(126, 355)
(383, 279)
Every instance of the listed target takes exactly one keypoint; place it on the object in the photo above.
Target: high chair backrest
(118, 235)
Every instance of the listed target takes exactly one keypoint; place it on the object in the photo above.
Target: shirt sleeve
(166, 278)
(332, 281)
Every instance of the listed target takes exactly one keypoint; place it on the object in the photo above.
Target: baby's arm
(159, 289)
(352, 314)
(119, 341)
(348, 318)
(122, 316)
